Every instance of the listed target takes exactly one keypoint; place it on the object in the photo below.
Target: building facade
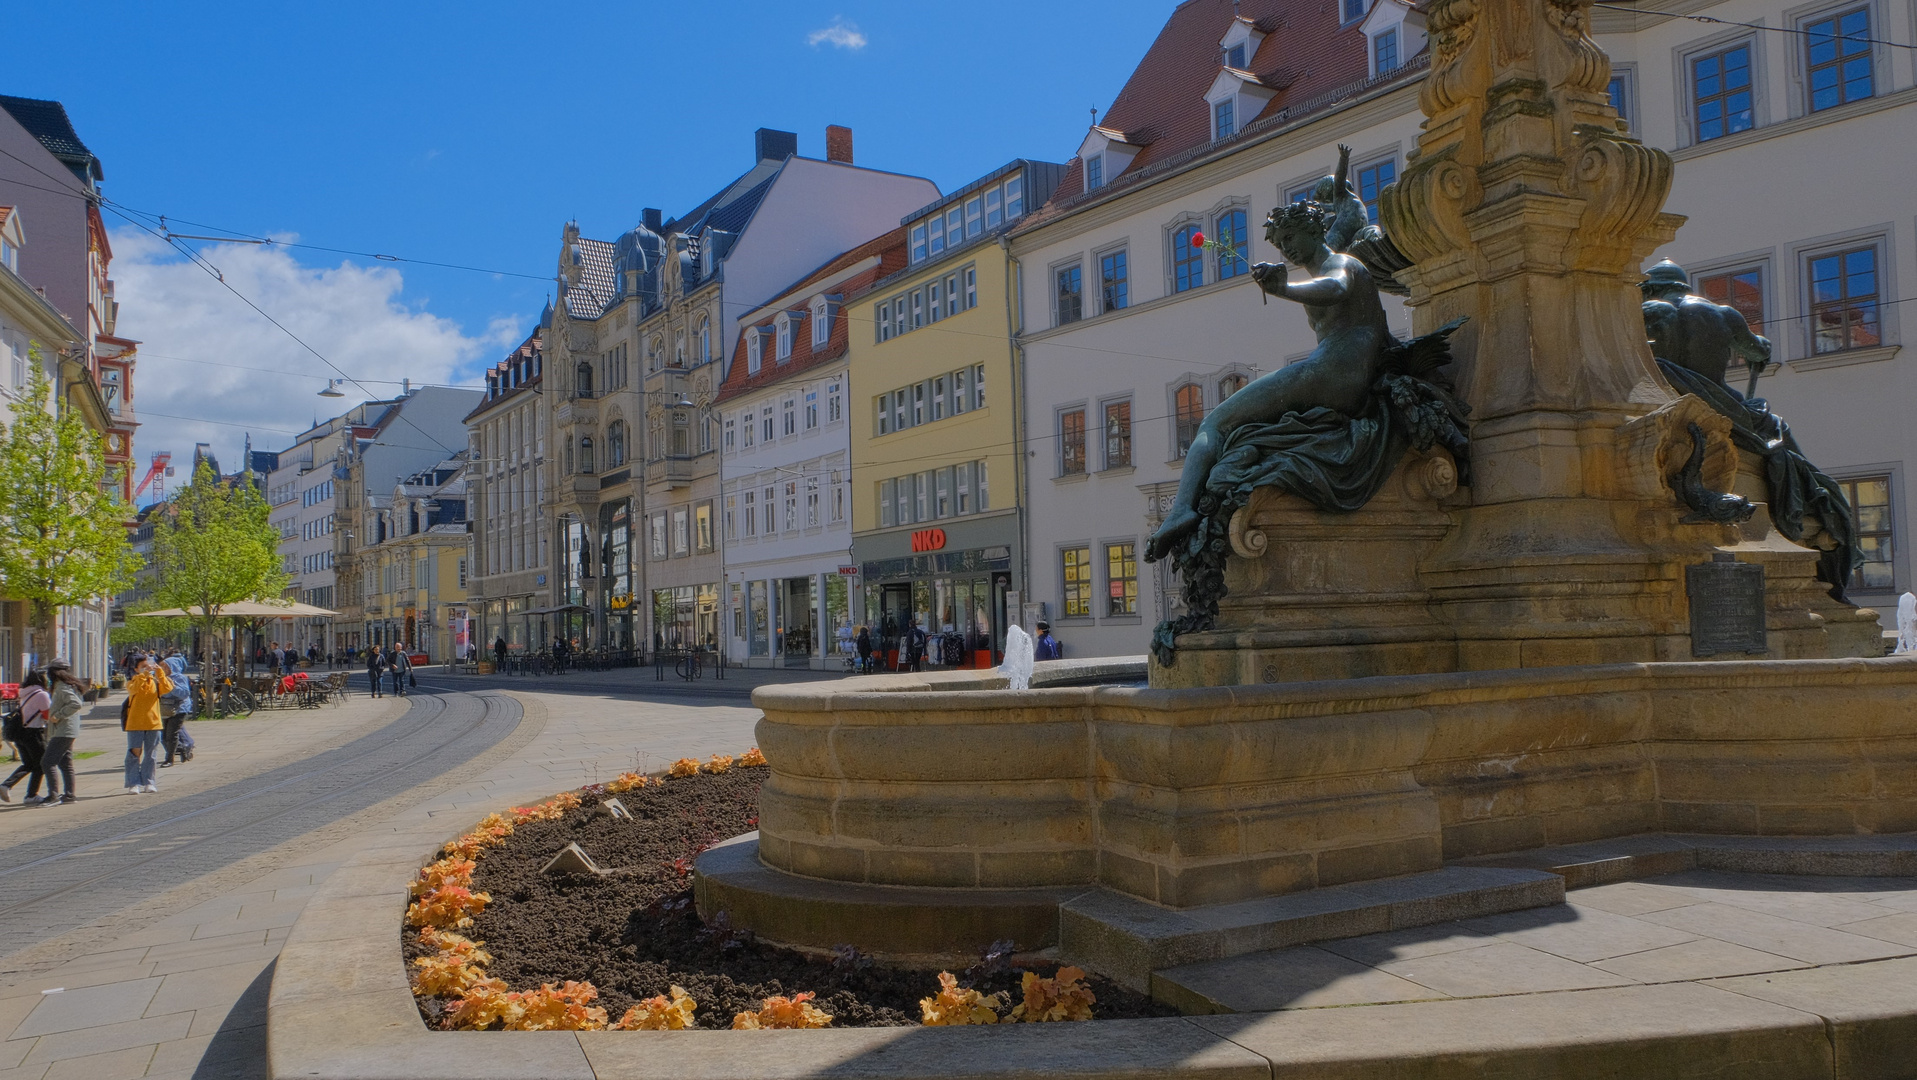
(507, 485)
(785, 518)
(418, 570)
(938, 532)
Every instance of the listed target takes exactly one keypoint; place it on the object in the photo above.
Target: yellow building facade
(937, 523)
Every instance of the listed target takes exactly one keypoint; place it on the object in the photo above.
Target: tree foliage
(63, 535)
(213, 546)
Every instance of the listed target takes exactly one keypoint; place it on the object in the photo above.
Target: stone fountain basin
(1191, 797)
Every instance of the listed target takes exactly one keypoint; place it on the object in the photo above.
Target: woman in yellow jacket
(143, 693)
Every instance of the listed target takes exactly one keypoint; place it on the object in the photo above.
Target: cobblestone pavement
(174, 907)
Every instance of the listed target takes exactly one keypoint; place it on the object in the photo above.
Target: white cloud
(353, 315)
(841, 34)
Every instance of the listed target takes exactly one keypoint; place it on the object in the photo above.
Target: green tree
(63, 534)
(213, 546)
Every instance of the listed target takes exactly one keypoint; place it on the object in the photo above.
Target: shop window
(1077, 578)
(1121, 579)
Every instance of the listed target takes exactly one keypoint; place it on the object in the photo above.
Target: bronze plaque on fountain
(1727, 606)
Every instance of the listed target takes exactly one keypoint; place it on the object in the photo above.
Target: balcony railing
(675, 471)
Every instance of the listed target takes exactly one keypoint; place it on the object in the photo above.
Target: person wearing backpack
(27, 731)
(69, 697)
(175, 709)
(143, 726)
(914, 647)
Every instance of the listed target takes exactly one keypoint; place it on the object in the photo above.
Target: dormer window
(821, 322)
(755, 350)
(1384, 51)
(1396, 33)
(1353, 10)
(1235, 99)
(935, 235)
(1094, 172)
(1222, 126)
(783, 327)
(1235, 56)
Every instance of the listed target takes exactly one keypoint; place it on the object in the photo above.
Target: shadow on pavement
(238, 1049)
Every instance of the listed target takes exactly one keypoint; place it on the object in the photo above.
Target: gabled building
(1132, 330)
(419, 568)
(785, 520)
(507, 489)
(639, 340)
(937, 532)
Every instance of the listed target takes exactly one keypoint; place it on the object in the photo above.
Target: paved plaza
(142, 930)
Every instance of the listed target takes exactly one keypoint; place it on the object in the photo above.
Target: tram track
(67, 879)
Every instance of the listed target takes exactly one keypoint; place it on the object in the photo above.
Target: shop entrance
(798, 618)
(895, 613)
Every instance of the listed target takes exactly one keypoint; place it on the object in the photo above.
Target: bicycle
(690, 667)
(223, 699)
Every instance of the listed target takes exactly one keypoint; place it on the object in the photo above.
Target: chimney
(772, 145)
(652, 218)
(405, 387)
(838, 143)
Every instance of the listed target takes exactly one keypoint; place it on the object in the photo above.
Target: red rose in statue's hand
(1198, 239)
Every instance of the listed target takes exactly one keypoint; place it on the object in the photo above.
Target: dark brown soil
(633, 933)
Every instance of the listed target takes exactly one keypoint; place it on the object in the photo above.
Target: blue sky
(469, 133)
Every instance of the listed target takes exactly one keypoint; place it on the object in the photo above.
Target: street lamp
(332, 388)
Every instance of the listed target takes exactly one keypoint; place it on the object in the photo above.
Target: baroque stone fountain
(1540, 589)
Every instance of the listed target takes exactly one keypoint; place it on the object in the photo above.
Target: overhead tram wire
(1713, 21)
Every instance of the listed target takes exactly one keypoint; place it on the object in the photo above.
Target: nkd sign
(928, 540)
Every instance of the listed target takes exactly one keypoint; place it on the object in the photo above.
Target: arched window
(1231, 384)
(1231, 231)
(705, 341)
(1188, 260)
(679, 350)
(585, 456)
(582, 380)
(655, 353)
(616, 444)
(1189, 412)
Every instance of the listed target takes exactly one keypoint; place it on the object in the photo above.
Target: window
(1118, 434)
(1231, 230)
(821, 324)
(1071, 442)
(811, 502)
(922, 496)
(768, 499)
(1014, 198)
(901, 409)
(1871, 525)
(1094, 172)
(934, 302)
(751, 514)
(954, 228)
(962, 487)
(1078, 582)
(918, 243)
(978, 386)
(784, 346)
(585, 456)
(961, 391)
(1188, 260)
(938, 398)
(1844, 299)
(1235, 56)
(732, 517)
(789, 411)
(745, 420)
(951, 295)
(659, 536)
(1839, 58)
(1621, 94)
(1741, 289)
(838, 497)
(984, 494)
(1721, 92)
(994, 208)
(971, 287)
(974, 220)
(1188, 412)
(755, 350)
(1384, 51)
(1121, 579)
(886, 497)
(765, 424)
(1373, 179)
(918, 405)
(882, 319)
(731, 432)
(1230, 385)
(681, 533)
(681, 435)
(1221, 120)
(811, 408)
(902, 500)
(935, 228)
(679, 349)
(834, 402)
(1353, 10)
(1113, 281)
(702, 526)
(615, 444)
(791, 505)
(942, 494)
(1071, 300)
(885, 414)
(918, 309)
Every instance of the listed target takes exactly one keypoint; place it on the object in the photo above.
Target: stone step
(1601, 862)
(1127, 939)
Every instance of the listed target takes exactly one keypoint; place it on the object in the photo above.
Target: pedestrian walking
(375, 662)
(401, 665)
(27, 731)
(143, 726)
(865, 649)
(913, 650)
(1046, 647)
(175, 709)
(69, 697)
(499, 654)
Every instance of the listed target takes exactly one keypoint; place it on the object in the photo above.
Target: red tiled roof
(1306, 52)
(890, 252)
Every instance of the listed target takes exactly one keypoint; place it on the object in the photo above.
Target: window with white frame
(1722, 101)
(1188, 259)
(838, 497)
(811, 502)
(834, 401)
(768, 503)
(1845, 297)
(811, 407)
(751, 514)
(888, 493)
(789, 409)
(1384, 51)
(783, 328)
(821, 324)
(1068, 292)
(1873, 529)
(1114, 281)
(1223, 123)
(755, 351)
(1094, 172)
(1837, 58)
(765, 423)
(705, 341)
(1229, 228)
(1351, 11)
(1624, 94)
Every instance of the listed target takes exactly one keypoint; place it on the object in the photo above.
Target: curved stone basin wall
(1187, 797)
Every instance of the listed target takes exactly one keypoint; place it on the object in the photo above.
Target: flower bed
(491, 942)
